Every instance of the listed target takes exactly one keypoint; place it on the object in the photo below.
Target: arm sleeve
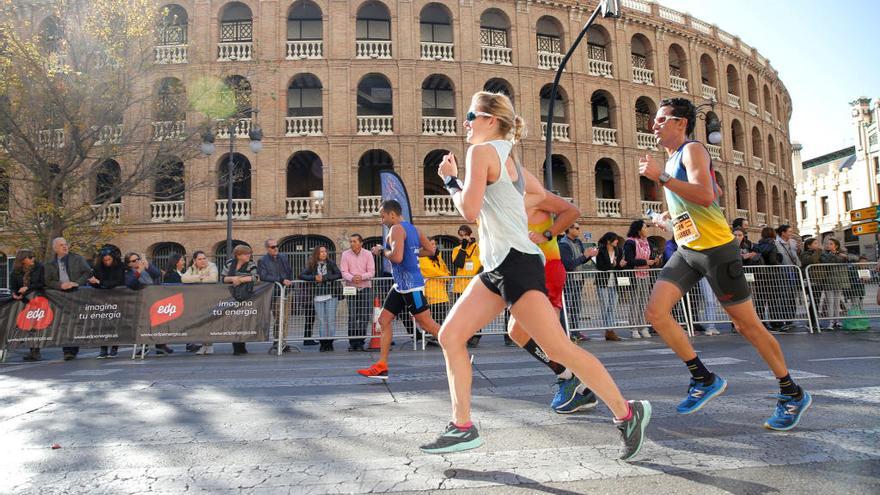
(345, 268)
(371, 269)
(629, 254)
(307, 275)
(263, 270)
(333, 272)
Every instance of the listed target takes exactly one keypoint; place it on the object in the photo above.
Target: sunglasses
(661, 119)
(272, 247)
(133, 261)
(472, 116)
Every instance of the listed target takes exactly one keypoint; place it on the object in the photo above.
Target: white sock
(580, 389)
(565, 375)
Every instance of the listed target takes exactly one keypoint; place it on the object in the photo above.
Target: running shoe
(454, 440)
(699, 394)
(712, 331)
(378, 371)
(633, 430)
(788, 411)
(565, 393)
(580, 402)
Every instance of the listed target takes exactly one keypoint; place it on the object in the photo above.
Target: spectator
(749, 257)
(465, 264)
(789, 285)
(637, 253)
(274, 268)
(27, 277)
(200, 271)
(768, 255)
(742, 223)
(174, 269)
(815, 277)
(836, 281)
(241, 272)
(324, 273)
(140, 272)
(436, 283)
(855, 294)
(575, 257)
(608, 259)
(358, 269)
(108, 274)
(66, 271)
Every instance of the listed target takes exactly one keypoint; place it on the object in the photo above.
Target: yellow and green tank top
(549, 248)
(697, 227)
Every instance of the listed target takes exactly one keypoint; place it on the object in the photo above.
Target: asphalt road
(305, 423)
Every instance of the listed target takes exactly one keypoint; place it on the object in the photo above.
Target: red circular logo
(36, 315)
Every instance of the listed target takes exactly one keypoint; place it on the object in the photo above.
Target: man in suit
(66, 271)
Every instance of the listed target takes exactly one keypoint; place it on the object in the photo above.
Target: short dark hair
(392, 206)
(782, 228)
(359, 237)
(466, 229)
(835, 241)
(808, 241)
(684, 108)
(768, 233)
(635, 228)
(738, 222)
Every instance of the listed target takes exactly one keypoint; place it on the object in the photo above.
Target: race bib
(469, 266)
(684, 229)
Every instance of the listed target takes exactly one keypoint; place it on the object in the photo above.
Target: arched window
(305, 175)
(374, 96)
(172, 29)
(498, 85)
(159, 254)
(599, 56)
(642, 60)
(774, 201)
(733, 81)
(304, 96)
(369, 166)
(768, 106)
(107, 181)
(373, 22)
(757, 143)
(561, 169)
(433, 184)
(606, 178)
(771, 149)
(559, 106)
(435, 23)
(721, 197)
(708, 74)
(169, 185)
(241, 177)
(236, 23)
(298, 248)
(51, 35)
(738, 136)
(752, 89)
(304, 22)
(240, 94)
(678, 68)
(494, 27)
(645, 111)
(760, 197)
(170, 104)
(438, 97)
(549, 35)
(648, 190)
(602, 105)
(742, 194)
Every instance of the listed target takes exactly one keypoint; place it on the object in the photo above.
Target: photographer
(465, 264)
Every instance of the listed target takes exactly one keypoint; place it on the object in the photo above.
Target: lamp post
(255, 135)
(713, 125)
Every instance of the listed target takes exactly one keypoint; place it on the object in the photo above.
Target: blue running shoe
(788, 411)
(580, 402)
(566, 392)
(454, 440)
(699, 394)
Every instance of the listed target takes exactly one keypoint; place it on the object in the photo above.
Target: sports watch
(548, 235)
(664, 177)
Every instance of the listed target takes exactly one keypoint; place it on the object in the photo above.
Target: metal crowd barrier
(844, 295)
(778, 293)
(611, 300)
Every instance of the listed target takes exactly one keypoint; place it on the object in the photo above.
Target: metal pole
(229, 173)
(548, 135)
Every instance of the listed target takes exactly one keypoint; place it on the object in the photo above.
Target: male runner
(403, 246)
(706, 248)
(572, 395)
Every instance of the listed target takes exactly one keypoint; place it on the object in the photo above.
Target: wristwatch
(548, 235)
(664, 177)
(452, 184)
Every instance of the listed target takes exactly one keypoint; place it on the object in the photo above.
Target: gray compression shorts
(722, 266)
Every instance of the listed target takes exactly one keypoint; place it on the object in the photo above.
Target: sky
(826, 53)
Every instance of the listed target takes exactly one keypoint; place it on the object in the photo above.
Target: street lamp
(713, 125)
(256, 136)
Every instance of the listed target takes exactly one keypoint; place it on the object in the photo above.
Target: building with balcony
(346, 89)
(830, 186)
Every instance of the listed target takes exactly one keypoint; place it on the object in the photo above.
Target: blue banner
(393, 188)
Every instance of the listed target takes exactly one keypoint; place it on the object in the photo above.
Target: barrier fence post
(282, 309)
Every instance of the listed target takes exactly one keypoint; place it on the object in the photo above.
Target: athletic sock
(464, 427)
(788, 387)
(629, 414)
(565, 375)
(532, 348)
(699, 372)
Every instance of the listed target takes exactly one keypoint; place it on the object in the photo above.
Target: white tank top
(503, 224)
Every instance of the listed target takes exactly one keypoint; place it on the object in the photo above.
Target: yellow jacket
(464, 274)
(436, 289)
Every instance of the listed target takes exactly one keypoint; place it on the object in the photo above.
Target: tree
(80, 125)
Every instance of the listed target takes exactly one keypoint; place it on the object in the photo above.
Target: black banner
(204, 313)
(157, 314)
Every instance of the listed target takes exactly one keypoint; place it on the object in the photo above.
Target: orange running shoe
(378, 371)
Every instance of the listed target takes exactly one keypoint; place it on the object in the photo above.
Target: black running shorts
(398, 302)
(722, 266)
(516, 275)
